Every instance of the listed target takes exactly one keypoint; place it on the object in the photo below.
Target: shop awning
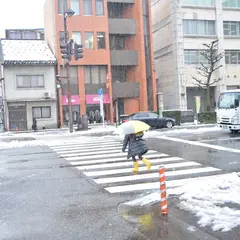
(94, 99)
(75, 100)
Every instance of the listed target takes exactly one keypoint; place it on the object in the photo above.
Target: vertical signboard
(100, 94)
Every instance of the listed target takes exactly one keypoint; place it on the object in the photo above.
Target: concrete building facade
(180, 28)
(118, 55)
(29, 84)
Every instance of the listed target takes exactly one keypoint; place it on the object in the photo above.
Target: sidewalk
(95, 130)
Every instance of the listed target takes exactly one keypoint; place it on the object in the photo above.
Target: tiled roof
(26, 52)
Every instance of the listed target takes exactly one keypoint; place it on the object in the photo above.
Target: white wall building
(29, 84)
(179, 30)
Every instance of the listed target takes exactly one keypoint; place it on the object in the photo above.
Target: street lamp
(68, 13)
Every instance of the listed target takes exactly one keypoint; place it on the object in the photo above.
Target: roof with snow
(25, 52)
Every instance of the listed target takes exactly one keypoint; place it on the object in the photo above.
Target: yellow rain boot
(135, 167)
(147, 163)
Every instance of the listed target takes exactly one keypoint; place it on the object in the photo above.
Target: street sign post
(100, 94)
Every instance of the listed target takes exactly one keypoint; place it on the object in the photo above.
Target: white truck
(228, 110)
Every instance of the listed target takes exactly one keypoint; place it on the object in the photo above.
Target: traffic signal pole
(68, 79)
(67, 52)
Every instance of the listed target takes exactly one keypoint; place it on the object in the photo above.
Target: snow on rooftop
(30, 51)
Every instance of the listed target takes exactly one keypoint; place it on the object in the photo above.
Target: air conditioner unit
(47, 95)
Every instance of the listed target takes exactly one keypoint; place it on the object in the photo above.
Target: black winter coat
(136, 145)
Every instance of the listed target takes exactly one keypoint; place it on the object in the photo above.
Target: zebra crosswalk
(102, 160)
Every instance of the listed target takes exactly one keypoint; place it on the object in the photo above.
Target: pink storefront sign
(94, 99)
(75, 100)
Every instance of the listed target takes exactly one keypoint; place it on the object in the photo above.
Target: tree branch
(216, 68)
(198, 82)
(215, 81)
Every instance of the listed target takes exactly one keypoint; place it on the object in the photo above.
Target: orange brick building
(118, 55)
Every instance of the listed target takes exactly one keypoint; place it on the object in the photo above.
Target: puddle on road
(148, 221)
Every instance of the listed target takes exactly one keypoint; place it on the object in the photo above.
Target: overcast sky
(21, 14)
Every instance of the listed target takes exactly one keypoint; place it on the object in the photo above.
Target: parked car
(152, 119)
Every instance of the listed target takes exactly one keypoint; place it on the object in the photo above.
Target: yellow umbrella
(133, 126)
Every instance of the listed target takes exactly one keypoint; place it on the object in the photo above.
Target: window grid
(75, 6)
(41, 112)
(199, 27)
(194, 57)
(87, 7)
(77, 37)
(89, 40)
(99, 7)
(199, 3)
(101, 40)
(95, 74)
(231, 28)
(30, 81)
(232, 56)
(231, 3)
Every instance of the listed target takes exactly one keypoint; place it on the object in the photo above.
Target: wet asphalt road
(41, 198)
(224, 159)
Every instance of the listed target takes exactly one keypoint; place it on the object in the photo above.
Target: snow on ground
(19, 144)
(56, 136)
(60, 132)
(215, 202)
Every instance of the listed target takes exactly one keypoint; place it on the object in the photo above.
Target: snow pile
(19, 144)
(215, 200)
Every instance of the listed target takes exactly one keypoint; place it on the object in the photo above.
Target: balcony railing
(124, 58)
(122, 26)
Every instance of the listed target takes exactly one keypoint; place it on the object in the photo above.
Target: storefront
(93, 107)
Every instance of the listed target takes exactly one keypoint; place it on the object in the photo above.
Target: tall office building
(118, 57)
(180, 28)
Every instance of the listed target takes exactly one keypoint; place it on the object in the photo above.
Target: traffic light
(78, 51)
(66, 50)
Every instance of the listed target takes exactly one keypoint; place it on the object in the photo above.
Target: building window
(99, 7)
(15, 35)
(231, 3)
(231, 28)
(232, 57)
(95, 74)
(30, 81)
(76, 36)
(87, 7)
(199, 3)
(62, 5)
(29, 35)
(89, 43)
(41, 112)
(194, 57)
(101, 41)
(75, 6)
(116, 42)
(198, 27)
(119, 73)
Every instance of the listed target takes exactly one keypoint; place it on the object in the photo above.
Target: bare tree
(205, 71)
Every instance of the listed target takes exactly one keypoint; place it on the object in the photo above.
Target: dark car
(152, 119)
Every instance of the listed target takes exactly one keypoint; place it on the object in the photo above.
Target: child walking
(136, 147)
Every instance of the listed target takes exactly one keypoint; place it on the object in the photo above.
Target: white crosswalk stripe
(102, 160)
